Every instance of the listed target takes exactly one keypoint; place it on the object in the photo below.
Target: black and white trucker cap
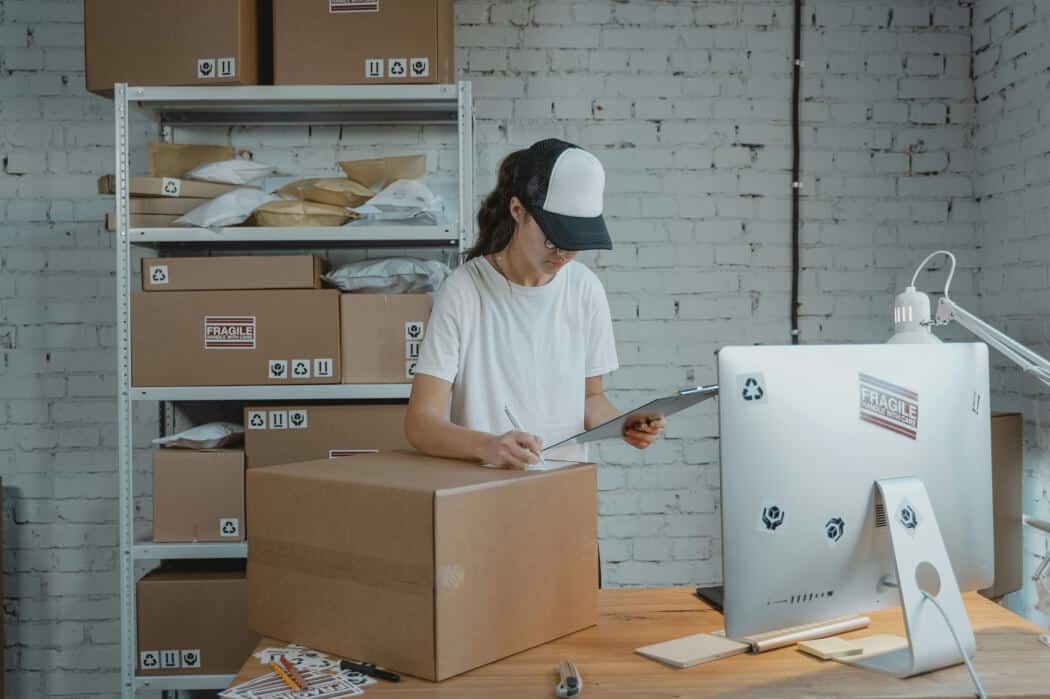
(562, 186)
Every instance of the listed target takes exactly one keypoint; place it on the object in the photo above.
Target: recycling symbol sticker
(170, 186)
(158, 274)
(256, 420)
(301, 368)
(149, 659)
(229, 527)
(752, 388)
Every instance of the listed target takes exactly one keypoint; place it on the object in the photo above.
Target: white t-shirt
(527, 347)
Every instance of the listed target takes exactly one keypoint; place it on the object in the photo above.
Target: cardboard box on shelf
(167, 187)
(1007, 506)
(355, 42)
(282, 434)
(381, 336)
(193, 621)
(232, 272)
(198, 495)
(442, 565)
(150, 42)
(230, 338)
(167, 206)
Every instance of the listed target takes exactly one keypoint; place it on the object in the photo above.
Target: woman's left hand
(644, 430)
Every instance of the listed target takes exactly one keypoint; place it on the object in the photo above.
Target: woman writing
(520, 329)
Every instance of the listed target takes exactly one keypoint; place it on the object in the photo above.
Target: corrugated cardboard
(167, 187)
(1007, 460)
(381, 336)
(198, 495)
(230, 338)
(193, 622)
(283, 434)
(168, 206)
(152, 42)
(427, 566)
(176, 159)
(233, 272)
(330, 42)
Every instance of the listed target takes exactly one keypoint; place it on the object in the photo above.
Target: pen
(294, 674)
(279, 671)
(517, 425)
(370, 670)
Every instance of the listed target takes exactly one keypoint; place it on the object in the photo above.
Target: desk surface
(1010, 660)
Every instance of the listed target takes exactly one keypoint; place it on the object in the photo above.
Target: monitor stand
(921, 564)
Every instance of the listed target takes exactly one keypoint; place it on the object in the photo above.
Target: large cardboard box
(193, 622)
(283, 434)
(353, 42)
(233, 272)
(427, 566)
(1007, 505)
(198, 495)
(230, 338)
(381, 336)
(151, 42)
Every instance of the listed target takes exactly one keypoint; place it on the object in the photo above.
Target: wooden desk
(1010, 660)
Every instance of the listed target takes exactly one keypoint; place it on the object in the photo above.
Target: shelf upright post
(125, 443)
(466, 167)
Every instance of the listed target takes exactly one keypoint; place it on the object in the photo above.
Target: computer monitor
(805, 433)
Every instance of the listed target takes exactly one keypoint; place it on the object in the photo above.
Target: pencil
(279, 671)
(294, 674)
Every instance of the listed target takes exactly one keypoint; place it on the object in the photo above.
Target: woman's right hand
(512, 450)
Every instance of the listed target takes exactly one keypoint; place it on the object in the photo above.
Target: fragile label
(170, 186)
(298, 419)
(353, 5)
(205, 68)
(414, 330)
(229, 332)
(420, 67)
(889, 406)
(191, 659)
(229, 526)
(158, 274)
(335, 453)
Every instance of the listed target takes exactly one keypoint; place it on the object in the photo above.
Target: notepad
(694, 650)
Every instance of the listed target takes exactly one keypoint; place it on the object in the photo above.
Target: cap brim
(574, 232)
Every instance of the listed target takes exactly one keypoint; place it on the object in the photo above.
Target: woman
(520, 330)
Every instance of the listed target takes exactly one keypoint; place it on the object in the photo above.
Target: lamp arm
(1032, 363)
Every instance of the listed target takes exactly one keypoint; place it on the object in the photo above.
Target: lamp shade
(911, 319)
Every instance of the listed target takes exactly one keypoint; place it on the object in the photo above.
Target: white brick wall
(1011, 54)
(686, 104)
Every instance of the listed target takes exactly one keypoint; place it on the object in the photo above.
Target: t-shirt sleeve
(442, 343)
(601, 345)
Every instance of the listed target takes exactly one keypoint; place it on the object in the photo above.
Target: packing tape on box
(401, 576)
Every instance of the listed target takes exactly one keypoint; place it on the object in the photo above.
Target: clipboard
(666, 406)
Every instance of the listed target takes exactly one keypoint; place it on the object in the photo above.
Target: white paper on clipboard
(666, 406)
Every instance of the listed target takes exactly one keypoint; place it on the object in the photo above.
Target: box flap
(488, 541)
(403, 470)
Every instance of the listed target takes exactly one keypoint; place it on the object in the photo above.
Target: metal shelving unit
(243, 106)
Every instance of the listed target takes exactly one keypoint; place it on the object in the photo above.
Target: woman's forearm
(440, 437)
(597, 409)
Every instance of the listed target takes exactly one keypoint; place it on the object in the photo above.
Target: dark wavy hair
(495, 224)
